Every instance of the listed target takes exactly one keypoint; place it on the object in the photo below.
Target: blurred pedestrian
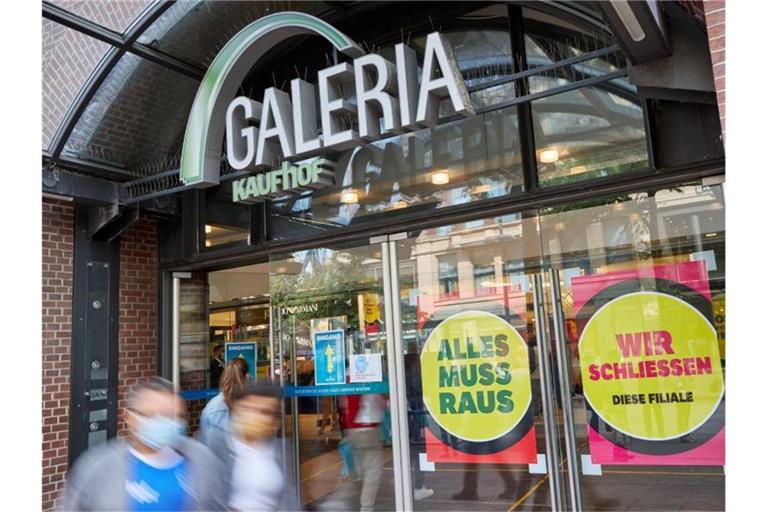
(156, 468)
(360, 417)
(253, 455)
(215, 415)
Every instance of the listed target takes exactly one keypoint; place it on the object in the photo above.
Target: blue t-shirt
(151, 488)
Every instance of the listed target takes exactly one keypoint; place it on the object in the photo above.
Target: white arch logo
(387, 100)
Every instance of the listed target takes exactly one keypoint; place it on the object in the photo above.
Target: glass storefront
(561, 354)
(461, 364)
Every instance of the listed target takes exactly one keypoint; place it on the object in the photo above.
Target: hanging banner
(650, 366)
(329, 357)
(476, 386)
(243, 350)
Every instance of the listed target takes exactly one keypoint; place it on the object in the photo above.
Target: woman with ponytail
(215, 416)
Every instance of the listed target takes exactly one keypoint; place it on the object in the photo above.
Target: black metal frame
(88, 252)
(121, 43)
(547, 196)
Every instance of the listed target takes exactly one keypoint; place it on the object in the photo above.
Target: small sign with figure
(243, 350)
(329, 357)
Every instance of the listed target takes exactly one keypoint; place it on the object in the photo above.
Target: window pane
(113, 15)
(227, 224)
(455, 163)
(589, 133)
(136, 119)
(69, 57)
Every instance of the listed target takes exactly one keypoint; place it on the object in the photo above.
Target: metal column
(392, 355)
(176, 328)
(574, 485)
(545, 379)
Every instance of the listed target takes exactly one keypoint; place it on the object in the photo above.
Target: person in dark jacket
(156, 468)
(217, 365)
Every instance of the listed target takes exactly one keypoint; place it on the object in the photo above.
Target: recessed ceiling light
(208, 229)
(547, 156)
(349, 197)
(440, 178)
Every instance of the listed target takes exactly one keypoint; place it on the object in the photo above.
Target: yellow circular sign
(476, 381)
(650, 366)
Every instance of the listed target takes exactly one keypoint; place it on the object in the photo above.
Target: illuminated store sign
(385, 98)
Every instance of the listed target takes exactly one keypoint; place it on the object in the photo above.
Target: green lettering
(446, 378)
(263, 185)
(445, 351)
(471, 379)
(290, 179)
(486, 374)
(447, 403)
(238, 190)
(502, 348)
(504, 398)
(481, 402)
(503, 375)
(471, 353)
(250, 187)
(486, 343)
(466, 404)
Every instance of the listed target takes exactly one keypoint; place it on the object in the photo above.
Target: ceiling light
(628, 18)
(578, 169)
(710, 235)
(440, 178)
(349, 197)
(547, 156)
(208, 243)
(208, 229)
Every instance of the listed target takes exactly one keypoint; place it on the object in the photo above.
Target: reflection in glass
(665, 243)
(343, 439)
(482, 267)
(456, 163)
(589, 133)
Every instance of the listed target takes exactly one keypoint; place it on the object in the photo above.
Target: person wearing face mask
(215, 415)
(256, 460)
(156, 468)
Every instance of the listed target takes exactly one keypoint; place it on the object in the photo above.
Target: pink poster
(650, 366)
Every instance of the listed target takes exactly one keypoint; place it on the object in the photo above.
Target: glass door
(476, 381)
(567, 358)
(332, 354)
(636, 296)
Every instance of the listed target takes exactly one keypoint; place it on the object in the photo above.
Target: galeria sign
(384, 98)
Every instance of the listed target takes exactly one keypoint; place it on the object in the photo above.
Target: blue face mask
(160, 431)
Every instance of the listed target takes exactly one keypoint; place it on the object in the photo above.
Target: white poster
(365, 368)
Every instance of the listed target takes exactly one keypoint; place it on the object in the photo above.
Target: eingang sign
(389, 98)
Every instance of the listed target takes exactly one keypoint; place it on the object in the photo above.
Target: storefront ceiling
(138, 64)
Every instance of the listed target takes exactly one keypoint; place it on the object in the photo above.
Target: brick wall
(138, 309)
(714, 13)
(137, 328)
(58, 233)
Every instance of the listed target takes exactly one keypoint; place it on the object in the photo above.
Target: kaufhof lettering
(385, 98)
(288, 178)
